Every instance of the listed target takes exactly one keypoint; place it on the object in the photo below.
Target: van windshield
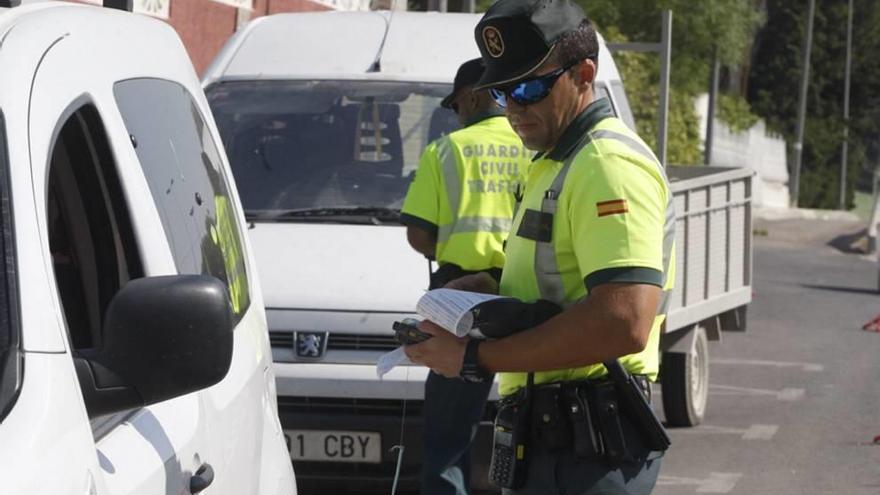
(337, 151)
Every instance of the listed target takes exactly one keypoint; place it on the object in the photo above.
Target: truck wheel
(685, 383)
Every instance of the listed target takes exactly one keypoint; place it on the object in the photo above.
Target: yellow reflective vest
(464, 189)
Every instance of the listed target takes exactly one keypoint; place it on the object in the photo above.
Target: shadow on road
(854, 243)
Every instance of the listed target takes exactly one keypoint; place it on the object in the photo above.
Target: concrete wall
(756, 149)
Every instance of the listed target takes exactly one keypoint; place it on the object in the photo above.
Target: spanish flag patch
(613, 207)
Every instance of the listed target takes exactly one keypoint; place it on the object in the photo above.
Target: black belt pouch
(606, 409)
(550, 425)
(585, 434)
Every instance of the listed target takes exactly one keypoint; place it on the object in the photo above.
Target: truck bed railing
(713, 245)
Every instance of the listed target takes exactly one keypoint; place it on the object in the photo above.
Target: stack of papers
(448, 308)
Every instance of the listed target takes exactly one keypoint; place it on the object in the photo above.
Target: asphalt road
(794, 401)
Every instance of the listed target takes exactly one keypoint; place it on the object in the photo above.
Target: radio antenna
(376, 66)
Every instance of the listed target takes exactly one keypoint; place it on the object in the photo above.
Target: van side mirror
(163, 337)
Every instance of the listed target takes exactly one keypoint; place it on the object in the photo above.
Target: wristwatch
(470, 367)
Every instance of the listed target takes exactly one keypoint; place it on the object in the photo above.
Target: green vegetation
(643, 92)
(776, 76)
(699, 31)
(735, 111)
(758, 44)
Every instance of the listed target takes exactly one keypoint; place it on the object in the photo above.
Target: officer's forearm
(614, 321)
(421, 240)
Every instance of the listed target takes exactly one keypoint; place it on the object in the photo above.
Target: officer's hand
(478, 282)
(443, 353)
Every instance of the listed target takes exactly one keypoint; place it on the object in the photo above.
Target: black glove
(498, 318)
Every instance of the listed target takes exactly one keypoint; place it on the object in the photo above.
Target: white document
(448, 308)
(451, 309)
(391, 359)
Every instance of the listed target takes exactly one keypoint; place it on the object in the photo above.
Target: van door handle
(202, 479)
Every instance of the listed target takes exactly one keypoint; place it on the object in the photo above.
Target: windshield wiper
(345, 214)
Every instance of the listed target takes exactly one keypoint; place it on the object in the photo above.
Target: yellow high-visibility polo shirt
(612, 221)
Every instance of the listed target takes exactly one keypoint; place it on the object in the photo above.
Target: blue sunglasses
(530, 91)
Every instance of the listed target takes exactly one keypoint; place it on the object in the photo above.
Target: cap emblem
(492, 40)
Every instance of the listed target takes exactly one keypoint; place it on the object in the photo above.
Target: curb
(805, 214)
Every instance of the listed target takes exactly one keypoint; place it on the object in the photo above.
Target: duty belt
(586, 416)
(643, 381)
(448, 272)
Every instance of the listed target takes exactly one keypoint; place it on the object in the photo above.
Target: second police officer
(458, 211)
(594, 234)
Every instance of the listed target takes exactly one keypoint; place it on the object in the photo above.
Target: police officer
(594, 233)
(458, 211)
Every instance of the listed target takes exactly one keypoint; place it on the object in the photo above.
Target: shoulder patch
(613, 207)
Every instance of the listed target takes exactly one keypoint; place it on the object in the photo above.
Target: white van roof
(420, 46)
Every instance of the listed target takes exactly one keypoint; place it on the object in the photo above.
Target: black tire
(685, 383)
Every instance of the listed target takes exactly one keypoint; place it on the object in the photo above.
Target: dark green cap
(467, 75)
(517, 36)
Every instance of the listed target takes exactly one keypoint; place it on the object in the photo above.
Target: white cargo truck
(713, 282)
(324, 117)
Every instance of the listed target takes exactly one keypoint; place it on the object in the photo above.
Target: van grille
(327, 405)
(358, 342)
(281, 339)
(342, 341)
(375, 407)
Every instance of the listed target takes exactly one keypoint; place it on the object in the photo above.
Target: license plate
(334, 446)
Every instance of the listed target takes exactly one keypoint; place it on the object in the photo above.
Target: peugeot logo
(310, 345)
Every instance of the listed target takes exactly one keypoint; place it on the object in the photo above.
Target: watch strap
(470, 366)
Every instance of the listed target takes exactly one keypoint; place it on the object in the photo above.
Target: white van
(134, 355)
(324, 117)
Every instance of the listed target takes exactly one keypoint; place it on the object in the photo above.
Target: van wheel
(685, 383)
